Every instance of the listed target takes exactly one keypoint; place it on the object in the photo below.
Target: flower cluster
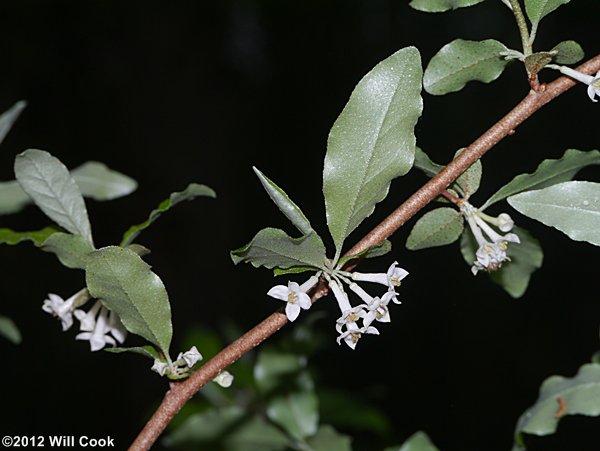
(100, 326)
(347, 325)
(179, 368)
(491, 252)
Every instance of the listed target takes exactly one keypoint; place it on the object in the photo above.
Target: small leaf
(285, 204)
(424, 163)
(99, 182)
(192, 191)
(48, 182)
(9, 330)
(274, 248)
(560, 396)
(538, 9)
(568, 52)
(8, 118)
(417, 442)
(71, 250)
(126, 285)
(460, 62)
(37, 237)
(537, 61)
(549, 172)
(273, 368)
(371, 142)
(328, 439)
(148, 351)
(438, 6)
(371, 252)
(297, 413)
(12, 197)
(469, 180)
(436, 228)
(571, 207)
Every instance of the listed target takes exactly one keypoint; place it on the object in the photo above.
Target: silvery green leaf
(549, 172)
(424, 163)
(147, 351)
(371, 252)
(285, 204)
(50, 185)
(417, 442)
(560, 396)
(9, 330)
(328, 439)
(71, 250)
(571, 207)
(37, 237)
(192, 191)
(568, 52)
(438, 6)
(297, 413)
(525, 258)
(538, 9)
(12, 197)
(8, 118)
(372, 142)
(436, 228)
(99, 182)
(273, 368)
(273, 248)
(126, 285)
(460, 62)
(292, 270)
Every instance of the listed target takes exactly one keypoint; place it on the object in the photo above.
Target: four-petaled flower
(353, 333)
(57, 306)
(392, 278)
(294, 296)
(190, 358)
(97, 324)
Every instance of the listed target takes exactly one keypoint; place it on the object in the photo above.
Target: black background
(175, 92)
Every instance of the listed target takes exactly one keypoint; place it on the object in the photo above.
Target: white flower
(391, 279)
(160, 367)
(350, 316)
(116, 327)
(294, 296)
(190, 358)
(593, 82)
(98, 337)
(224, 379)
(354, 333)
(57, 306)
(97, 324)
(88, 320)
(378, 309)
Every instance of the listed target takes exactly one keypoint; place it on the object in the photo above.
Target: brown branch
(181, 392)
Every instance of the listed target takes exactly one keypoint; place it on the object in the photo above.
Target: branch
(180, 392)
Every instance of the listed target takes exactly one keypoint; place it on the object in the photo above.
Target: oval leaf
(470, 179)
(274, 248)
(328, 439)
(8, 118)
(125, 283)
(560, 396)
(548, 173)
(9, 330)
(372, 142)
(99, 182)
(71, 250)
(192, 191)
(48, 182)
(12, 197)
(436, 228)
(571, 207)
(438, 6)
(285, 204)
(538, 9)
(297, 413)
(568, 52)
(460, 62)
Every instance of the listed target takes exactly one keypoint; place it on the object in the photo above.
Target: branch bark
(180, 392)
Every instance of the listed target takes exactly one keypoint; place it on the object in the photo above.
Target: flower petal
(304, 301)
(279, 292)
(292, 311)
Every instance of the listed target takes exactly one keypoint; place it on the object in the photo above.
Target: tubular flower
(97, 324)
(63, 310)
(294, 295)
(391, 279)
(593, 82)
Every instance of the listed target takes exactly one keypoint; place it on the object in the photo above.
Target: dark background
(175, 92)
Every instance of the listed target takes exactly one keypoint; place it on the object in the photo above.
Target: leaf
(538, 9)
(9, 330)
(48, 182)
(436, 228)
(328, 439)
(525, 259)
(560, 396)
(297, 413)
(272, 368)
(99, 182)
(438, 6)
(284, 203)
(417, 442)
(549, 172)
(8, 118)
(424, 163)
(537, 61)
(274, 248)
(126, 285)
(460, 62)
(148, 351)
(571, 207)
(12, 197)
(71, 250)
(568, 52)
(376, 250)
(37, 237)
(227, 429)
(292, 270)
(371, 142)
(192, 191)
